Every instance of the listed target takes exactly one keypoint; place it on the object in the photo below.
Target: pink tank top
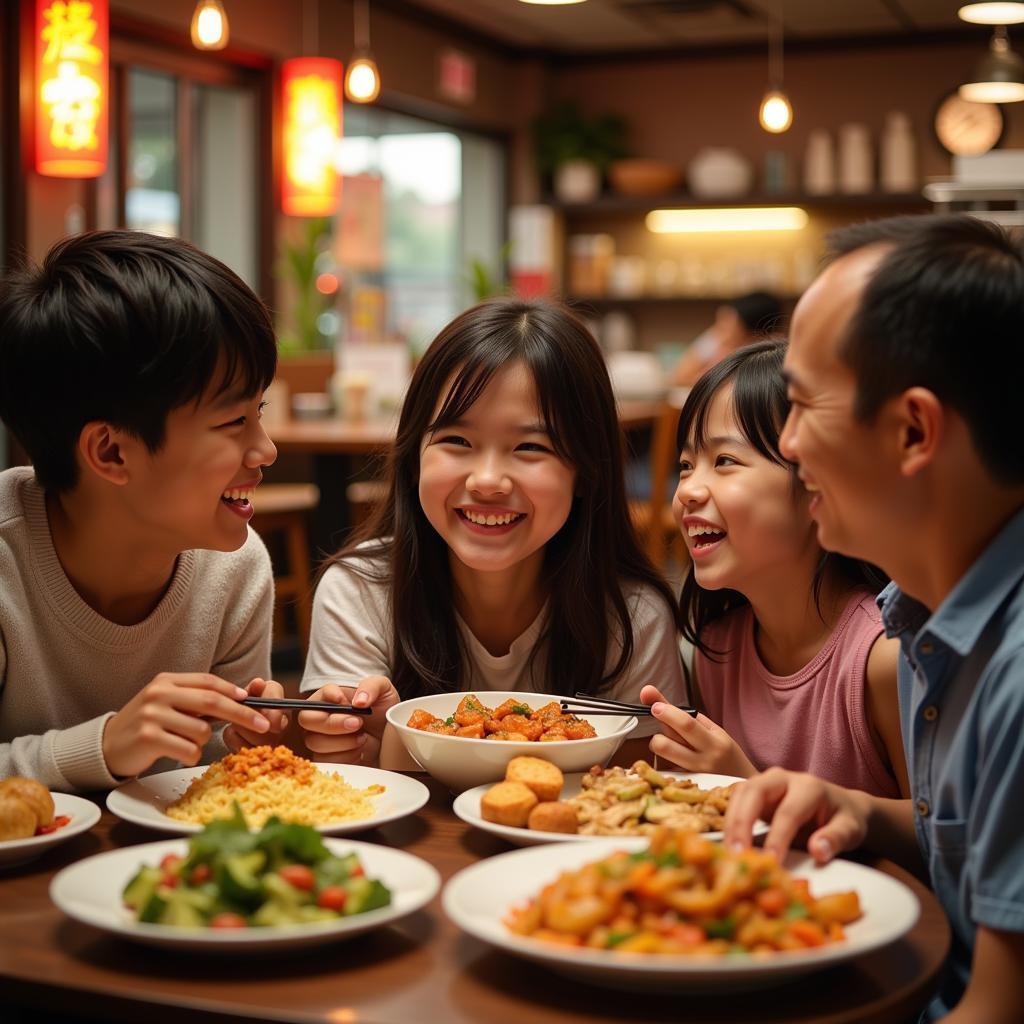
(812, 721)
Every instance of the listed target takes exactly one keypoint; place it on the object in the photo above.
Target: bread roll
(17, 819)
(35, 794)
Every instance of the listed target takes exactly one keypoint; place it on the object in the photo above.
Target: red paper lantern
(72, 42)
(311, 107)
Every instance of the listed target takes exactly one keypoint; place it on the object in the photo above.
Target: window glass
(152, 200)
(400, 241)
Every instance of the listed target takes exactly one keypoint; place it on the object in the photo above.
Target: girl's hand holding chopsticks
(696, 744)
(349, 738)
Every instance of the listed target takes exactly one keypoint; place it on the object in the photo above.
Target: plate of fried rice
(265, 782)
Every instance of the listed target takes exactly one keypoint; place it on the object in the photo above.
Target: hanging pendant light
(998, 76)
(362, 80)
(776, 113)
(209, 25)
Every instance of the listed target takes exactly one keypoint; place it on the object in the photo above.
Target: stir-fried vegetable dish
(685, 895)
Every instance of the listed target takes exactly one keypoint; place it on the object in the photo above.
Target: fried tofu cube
(554, 816)
(508, 803)
(542, 777)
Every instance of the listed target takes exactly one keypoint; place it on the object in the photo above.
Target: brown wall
(677, 106)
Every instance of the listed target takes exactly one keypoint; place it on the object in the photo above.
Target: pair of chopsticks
(584, 705)
(304, 705)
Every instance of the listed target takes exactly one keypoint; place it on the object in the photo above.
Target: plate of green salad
(229, 889)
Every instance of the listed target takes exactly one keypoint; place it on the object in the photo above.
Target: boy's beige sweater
(64, 669)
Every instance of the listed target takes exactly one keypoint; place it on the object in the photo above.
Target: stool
(363, 498)
(282, 508)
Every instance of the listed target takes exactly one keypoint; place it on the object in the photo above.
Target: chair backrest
(664, 457)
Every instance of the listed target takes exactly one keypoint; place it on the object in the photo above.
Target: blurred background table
(422, 969)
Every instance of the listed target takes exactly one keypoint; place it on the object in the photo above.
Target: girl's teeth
(490, 520)
(238, 494)
(698, 531)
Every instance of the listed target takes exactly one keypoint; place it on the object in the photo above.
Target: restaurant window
(186, 159)
(421, 202)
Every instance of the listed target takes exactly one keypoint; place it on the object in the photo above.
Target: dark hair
(760, 406)
(943, 310)
(585, 563)
(761, 312)
(122, 327)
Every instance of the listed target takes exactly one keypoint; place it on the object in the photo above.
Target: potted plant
(573, 151)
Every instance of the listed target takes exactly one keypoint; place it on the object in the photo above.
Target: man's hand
(170, 717)
(349, 739)
(792, 800)
(695, 744)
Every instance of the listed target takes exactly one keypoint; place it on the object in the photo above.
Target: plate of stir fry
(682, 913)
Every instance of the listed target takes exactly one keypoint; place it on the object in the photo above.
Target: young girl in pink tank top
(790, 664)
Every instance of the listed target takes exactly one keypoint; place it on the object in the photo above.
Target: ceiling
(605, 26)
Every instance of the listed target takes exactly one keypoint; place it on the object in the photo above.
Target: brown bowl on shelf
(642, 177)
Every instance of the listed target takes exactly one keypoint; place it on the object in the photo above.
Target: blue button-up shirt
(961, 689)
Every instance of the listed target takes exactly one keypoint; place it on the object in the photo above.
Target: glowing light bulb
(776, 114)
(209, 26)
(362, 81)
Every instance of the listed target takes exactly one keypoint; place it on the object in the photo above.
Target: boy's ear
(101, 448)
(922, 425)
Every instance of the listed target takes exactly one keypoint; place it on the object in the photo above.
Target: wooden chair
(653, 516)
(363, 497)
(282, 509)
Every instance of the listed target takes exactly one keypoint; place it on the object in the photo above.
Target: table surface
(339, 437)
(420, 969)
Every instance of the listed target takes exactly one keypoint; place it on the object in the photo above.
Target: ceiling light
(731, 218)
(362, 80)
(209, 25)
(992, 13)
(999, 75)
(776, 113)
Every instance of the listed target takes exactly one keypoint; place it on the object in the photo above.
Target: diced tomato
(807, 932)
(299, 876)
(357, 872)
(170, 861)
(687, 934)
(772, 901)
(228, 920)
(59, 822)
(170, 879)
(332, 897)
(201, 873)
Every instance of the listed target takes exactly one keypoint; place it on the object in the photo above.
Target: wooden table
(418, 971)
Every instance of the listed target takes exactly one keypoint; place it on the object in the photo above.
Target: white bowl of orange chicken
(467, 739)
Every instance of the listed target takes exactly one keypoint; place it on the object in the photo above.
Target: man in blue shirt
(905, 365)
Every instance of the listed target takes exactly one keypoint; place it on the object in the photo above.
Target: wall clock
(964, 128)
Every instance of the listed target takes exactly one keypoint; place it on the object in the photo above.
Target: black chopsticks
(304, 705)
(584, 705)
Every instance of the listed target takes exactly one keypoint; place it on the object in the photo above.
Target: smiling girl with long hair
(503, 557)
(790, 662)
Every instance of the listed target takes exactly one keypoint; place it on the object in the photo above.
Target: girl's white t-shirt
(351, 639)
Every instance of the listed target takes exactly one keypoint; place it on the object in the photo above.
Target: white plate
(90, 892)
(479, 897)
(467, 807)
(143, 801)
(83, 814)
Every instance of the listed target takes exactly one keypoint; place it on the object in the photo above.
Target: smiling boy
(136, 602)
(905, 366)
